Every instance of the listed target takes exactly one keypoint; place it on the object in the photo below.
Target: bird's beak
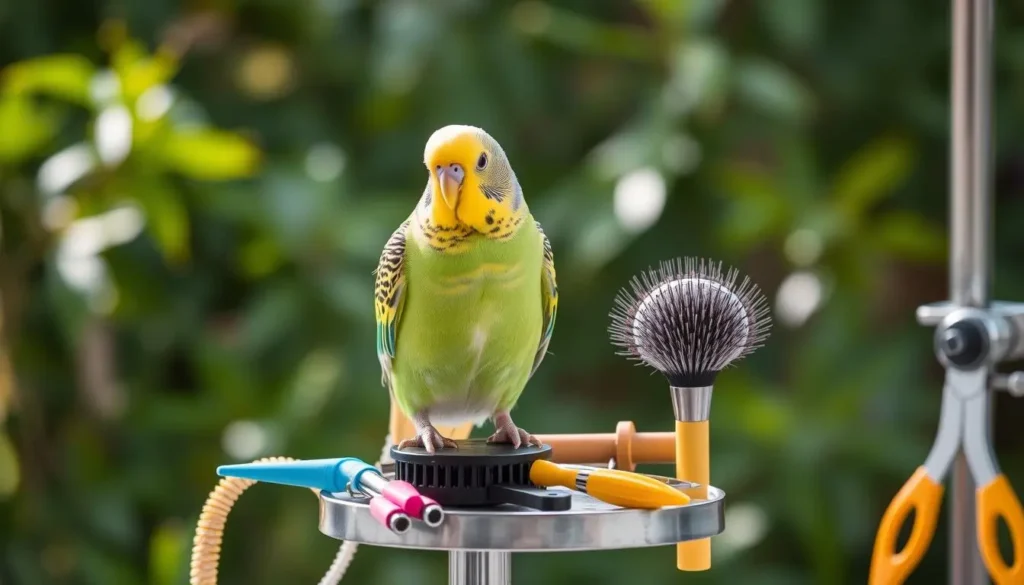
(450, 181)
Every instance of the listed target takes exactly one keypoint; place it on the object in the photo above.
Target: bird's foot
(428, 438)
(508, 432)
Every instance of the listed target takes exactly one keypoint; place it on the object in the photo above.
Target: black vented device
(479, 474)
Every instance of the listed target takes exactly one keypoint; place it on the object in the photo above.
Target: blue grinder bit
(328, 475)
(334, 475)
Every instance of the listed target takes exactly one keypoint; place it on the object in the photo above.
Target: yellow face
(471, 183)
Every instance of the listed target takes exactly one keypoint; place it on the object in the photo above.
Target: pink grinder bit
(389, 514)
(405, 496)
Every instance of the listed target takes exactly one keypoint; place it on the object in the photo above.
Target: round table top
(589, 525)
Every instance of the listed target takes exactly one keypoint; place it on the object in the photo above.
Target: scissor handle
(921, 495)
(997, 500)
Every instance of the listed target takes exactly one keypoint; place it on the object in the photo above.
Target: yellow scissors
(963, 422)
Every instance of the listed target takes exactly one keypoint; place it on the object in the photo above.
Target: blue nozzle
(328, 475)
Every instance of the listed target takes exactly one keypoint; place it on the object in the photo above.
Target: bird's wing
(389, 299)
(388, 289)
(549, 299)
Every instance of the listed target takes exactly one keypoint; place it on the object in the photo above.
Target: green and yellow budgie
(465, 294)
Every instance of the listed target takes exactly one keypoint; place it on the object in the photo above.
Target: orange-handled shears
(963, 422)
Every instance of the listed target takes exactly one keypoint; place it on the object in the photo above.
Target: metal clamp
(968, 338)
(969, 343)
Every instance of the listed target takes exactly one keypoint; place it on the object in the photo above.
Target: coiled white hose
(206, 545)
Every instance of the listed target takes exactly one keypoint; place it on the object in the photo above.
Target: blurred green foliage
(193, 197)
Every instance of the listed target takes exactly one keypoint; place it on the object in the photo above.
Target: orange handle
(692, 453)
(921, 495)
(581, 448)
(546, 474)
(625, 445)
(997, 500)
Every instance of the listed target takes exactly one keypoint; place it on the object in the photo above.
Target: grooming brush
(689, 320)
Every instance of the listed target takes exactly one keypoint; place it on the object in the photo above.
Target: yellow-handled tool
(962, 422)
(612, 486)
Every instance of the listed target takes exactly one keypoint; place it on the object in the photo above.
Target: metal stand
(970, 267)
(471, 567)
(480, 541)
(970, 270)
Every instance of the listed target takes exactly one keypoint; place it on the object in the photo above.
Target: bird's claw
(429, 439)
(508, 432)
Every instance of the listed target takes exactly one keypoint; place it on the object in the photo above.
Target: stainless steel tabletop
(589, 525)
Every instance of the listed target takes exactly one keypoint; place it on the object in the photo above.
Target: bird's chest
(468, 311)
(479, 308)
(475, 311)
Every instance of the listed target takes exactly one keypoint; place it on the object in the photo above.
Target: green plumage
(465, 308)
(470, 327)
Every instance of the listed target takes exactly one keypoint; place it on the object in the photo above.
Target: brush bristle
(689, 320)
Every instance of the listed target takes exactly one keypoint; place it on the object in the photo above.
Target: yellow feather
(489, 201)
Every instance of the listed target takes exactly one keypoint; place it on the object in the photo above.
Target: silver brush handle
(691, 404)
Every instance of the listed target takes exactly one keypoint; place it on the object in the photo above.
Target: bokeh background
(193, 196)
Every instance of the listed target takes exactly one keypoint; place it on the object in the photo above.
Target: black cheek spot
(495, 229)
(489, 219)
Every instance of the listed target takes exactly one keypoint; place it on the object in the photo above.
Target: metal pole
(471, 567)
(971, 238)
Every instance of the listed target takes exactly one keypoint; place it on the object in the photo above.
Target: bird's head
(472, 183)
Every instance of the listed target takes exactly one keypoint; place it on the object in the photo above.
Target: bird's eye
(481, 162)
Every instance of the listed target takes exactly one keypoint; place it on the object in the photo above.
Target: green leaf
(766, 418)
(746, 182)
(27, 128)
(10, 472)
(670, 13)
(166, 553)
(872, 174)
(62, 76)
(795, 23)
(213, 155)
(679, 14)
(167, 220)
(757, 211)
(751, 223)
(911, 237)
(798, 173)
(270, 315)
(260, 256)
(592, 37)
(699, 73)
(139, 71)
(6, 386)
(769, 86)
(599, 240)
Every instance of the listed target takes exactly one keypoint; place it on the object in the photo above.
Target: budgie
(465, 294)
